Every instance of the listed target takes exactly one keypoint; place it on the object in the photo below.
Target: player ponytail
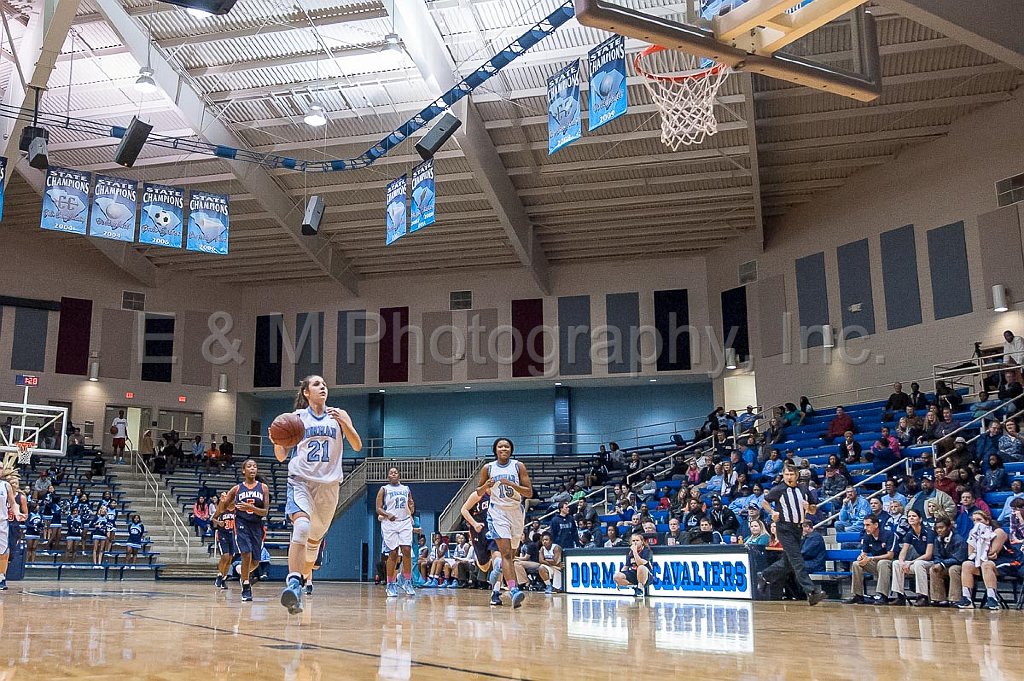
(301, 401)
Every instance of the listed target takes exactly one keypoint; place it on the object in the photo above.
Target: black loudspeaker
(209, 6)
(311, 218)
(132, 142)
(437, 136)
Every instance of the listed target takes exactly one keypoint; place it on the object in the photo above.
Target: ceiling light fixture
(393, 42)
(145, 83)
(315, 117)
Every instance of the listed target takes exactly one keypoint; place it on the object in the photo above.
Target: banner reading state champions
(66, 200)
(395, 209)
(564, 124)
(207, 223)
(422, 210)
(607, 94)
(163, 214)
(113, 209)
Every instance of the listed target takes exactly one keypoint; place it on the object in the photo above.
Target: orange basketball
(287, 430)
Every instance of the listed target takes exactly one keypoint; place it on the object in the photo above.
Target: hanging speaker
(311, 218)
(437, 136)
(132, 142)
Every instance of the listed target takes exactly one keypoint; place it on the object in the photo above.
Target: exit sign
(26, 380)
(129, 396)
(181, 398)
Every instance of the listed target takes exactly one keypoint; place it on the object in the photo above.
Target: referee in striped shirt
(792, 502)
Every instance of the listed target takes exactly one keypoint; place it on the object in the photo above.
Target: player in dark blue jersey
(485, 549)
(251, 500)
(224, 528)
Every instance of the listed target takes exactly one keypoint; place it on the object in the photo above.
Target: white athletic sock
(992, 594)
(296, 575)
(967, 592)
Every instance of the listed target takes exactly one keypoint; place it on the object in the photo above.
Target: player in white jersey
(314, 478)
(9, 512)
(395, 507)
(507, 483)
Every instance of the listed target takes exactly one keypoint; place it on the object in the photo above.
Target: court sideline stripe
(315, 646)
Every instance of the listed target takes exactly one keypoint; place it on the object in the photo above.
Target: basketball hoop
(685, 99)
(25, 452)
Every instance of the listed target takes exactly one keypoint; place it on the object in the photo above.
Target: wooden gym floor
(175, 630)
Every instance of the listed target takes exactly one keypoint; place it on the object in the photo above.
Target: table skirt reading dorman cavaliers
(725, 571)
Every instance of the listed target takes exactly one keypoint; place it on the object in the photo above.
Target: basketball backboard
(758, 36)
(28, 423)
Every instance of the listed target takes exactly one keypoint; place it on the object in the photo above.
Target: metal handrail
(904, 461)
(179, 531)
(813, 398)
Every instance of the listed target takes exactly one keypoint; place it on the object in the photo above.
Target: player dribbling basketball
(314, 479)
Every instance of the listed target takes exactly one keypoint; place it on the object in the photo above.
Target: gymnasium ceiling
(247, 79)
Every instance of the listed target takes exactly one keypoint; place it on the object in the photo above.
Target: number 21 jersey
(318, 457)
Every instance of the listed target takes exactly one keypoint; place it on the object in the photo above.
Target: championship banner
(422, 210)
(3, 183)
(163, 213)
(207, 223)
(113, 209)
(564, 124)
(607, 95)
(395, 209)
(66, 200)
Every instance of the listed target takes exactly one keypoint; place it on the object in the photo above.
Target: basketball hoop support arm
(702, 43)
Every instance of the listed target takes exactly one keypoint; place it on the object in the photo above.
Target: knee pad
(300, 530)
(312, 550)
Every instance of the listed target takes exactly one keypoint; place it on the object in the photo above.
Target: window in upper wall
(460, 300)
(1010, 190)
(133, 300)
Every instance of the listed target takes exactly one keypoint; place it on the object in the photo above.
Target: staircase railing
(180, 533)
(449, 518)
(422, 470)
(351, 487)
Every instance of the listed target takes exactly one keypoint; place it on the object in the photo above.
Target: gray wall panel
(116, 333)
(309, 345)
(351, 350)
(574, 333)
(899, 278)
(622, 313)
(481, 362)
(29, 350)
(437, 346)
(771, 313)
(855, 288)
(1001, 259)
(812, 296)
(951, 280)
(195, 369)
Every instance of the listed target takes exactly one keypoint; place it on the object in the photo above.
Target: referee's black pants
(790, 535)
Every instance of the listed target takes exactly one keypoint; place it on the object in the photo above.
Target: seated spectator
(704, 533)
(878, 510)
(791, 415)
(890, 493)
(717, 483)
(76, 443)
(947, 426)
(928, 492)
(904, 434)
(918, 400)
(806, 410)
(841, 423)
(97, 467)
(774, 434)
(914, 422)
(632, 466)
(984, 405)
(648, 489)
(855, 508)
(987, 443)
(723, 520)
(198, 449)
(849, 449)
(616, 458)
(928, 430)
(562, 495)
(885, 452)
(679, 502)
(757, 534)
(946, 397)
(772, 467)
(944, 483)
(694, 513)
(877, 549)
(896, 404)
(1016, 519)
(675, 534)
(212, 457)
(614, 541)
(812, 548)
(746, 421)
(990, 555)
(679, 468)
(41, 485)
(1016, 492)
(665, 499)
(1011, 389)
(721, 446)
(995, 479)
(597, 475)
(200, 517)
(949, 555)
(897, 524)
(915, 558)
(744, 454)
(965, 513)
(584, 511)
(960, 455)
(1011, 445)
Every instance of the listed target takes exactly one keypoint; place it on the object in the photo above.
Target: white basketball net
(25, 452)
(684, 88)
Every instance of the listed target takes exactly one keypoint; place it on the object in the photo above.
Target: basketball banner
(66, 200)
(163, 214)
(114, 201)
(607, 95)
(395, 209)
(421, 212)
(564, 125)
(207, 223)
(3, 183)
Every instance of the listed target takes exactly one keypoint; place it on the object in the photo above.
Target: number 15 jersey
(317, 457)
